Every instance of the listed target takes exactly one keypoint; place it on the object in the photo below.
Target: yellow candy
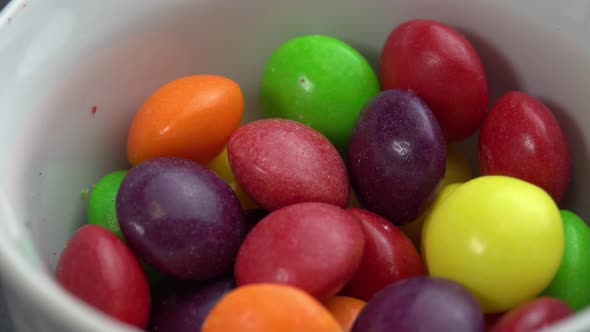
(220, 166)
(443, 194)
(457, 171)
(500, 237)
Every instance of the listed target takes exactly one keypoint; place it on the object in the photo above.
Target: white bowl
(58, 59)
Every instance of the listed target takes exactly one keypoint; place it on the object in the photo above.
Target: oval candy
(191, 117)
(281, 162)
(180, 218)
(421, 304)
(520, 137)
(319, 81)
(396, 156)
(441, 67)
(500, 237)
(269, 308)
(97, 267)
(571, 284)
(389, 256)
(316, 247)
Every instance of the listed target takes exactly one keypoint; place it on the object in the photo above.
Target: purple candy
(183, 307)
(396, 155)
(180, 218)
(421, 304)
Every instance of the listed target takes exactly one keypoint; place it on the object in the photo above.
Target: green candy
(319, 81)
(571, 284)
(101, 204)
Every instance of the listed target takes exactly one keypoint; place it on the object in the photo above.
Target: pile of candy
(346, 208)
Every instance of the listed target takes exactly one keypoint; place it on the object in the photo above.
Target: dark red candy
(313, 246)
(440, 66)
(180, 218)
(98, 268)
(280, 162)
(396, 156)
(533, 315)
(183, 306)
(388, 256)
(520, 137)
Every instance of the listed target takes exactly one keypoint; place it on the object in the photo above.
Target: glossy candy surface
(520, 137)
(313, 246)
(191, 117)
(393, 169)
(280, 162)
(421, 304)
(319, 81)
(180, 218)
(532, 316)
(571, 284)
(101, 202)
(269, 308)
(183, 306)
(98, 268)
(388, 256)
(439, 65)
(500, 237)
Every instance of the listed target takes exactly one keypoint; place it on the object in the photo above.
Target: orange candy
(191, 117)
(345, 309)
(269, 308)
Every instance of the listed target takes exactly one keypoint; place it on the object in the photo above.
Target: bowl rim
(41, 290)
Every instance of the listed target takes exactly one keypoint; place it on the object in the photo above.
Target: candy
(313, 246)
(180, 218)
(571, 283)
(396, 156)
(183, 307)
(220, 166)
(498, 236)
(98, 268)
(443, 194)
(319, 81)
(388, 256)
(440, 66)
(520, 137)
(457, 171)
(345, 309)
(532, 316)
(191, 117)
(281, 162)
(269, 308)
(101, 202)
(421, 304)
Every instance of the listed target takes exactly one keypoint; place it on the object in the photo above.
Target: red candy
(97, 267)
(521, 138)
(281, 162)
(314, 246)
(533, 316)
(440, 66)
(388, 256)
